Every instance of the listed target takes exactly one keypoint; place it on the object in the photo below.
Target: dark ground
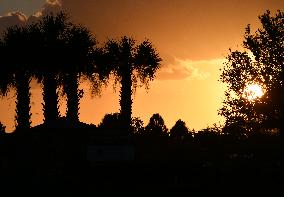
(53, 163)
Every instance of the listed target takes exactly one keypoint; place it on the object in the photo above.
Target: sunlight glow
(253, 91)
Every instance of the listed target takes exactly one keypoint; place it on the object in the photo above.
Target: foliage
(111, 122)
(264, 67)
(179, 131)
(137, 126)
(124, 56)
(156, 126)
(6, 74)
(130, 63)
(66, 52)
(2, 128)
(18, 70)
(49, 41)
(78, 61)
(218, 129)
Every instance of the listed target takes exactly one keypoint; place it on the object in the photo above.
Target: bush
(2, 128)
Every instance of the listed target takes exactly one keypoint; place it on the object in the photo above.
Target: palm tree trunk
(125, 100)
(281, 126)
(50, 98)
(23, 115)
(73, 98)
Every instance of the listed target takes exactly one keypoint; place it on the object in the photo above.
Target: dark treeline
(65, 156)
(94, 159)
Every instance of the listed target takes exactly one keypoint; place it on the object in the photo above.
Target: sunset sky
(191, 36)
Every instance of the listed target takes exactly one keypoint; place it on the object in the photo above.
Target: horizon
(179, 30)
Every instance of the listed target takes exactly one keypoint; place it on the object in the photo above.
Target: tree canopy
(130, 63)
(156, 126)
(16, 70)
(179, 130)
(261, 63)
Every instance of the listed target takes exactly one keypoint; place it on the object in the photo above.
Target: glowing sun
(253, 91)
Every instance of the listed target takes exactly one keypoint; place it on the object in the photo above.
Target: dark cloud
(19, 18)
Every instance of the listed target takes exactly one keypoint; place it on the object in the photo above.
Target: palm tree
(18, 72)
(66, 52)
(6, 74)
(49, 43)
(130, 63)
(6, 77)
(78, 56)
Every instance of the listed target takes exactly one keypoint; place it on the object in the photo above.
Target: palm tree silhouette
(50, 43)
(15, 47)
(79, 57)
(130, 63)
(6, 76)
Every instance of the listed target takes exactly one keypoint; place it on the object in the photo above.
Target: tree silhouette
(156, 126)
(15, 42)
(79, 55)
(57, 52)
(179, 131)
(264, 67)
(137, 126)
(238, 110)
(130, 63)
(111, 122)
(50, 44)
(6, 74)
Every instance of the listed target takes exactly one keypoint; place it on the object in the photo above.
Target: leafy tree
(179, 131)
(156, 126)
(215, 129)
(111, 123)
(15, 44)
(130, 63)
(264, 67)
(137, 126)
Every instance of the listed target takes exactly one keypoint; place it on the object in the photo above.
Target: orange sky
(192, 37)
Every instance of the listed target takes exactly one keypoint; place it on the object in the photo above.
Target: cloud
(54, 2)
(12, 18)
(187, 69)
(19, 18)
(51, 6)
